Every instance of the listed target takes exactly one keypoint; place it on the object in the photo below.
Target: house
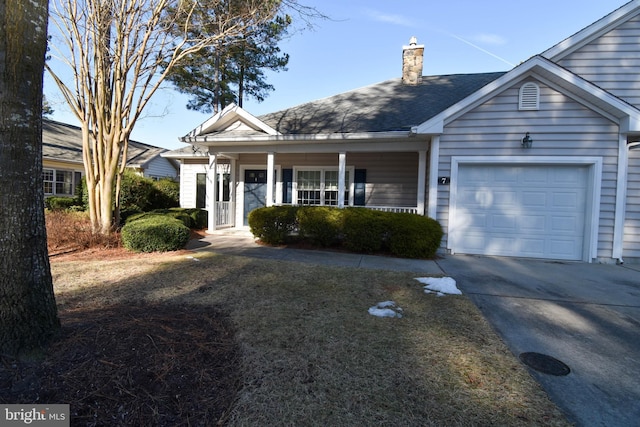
(63, 166)
(541, 161)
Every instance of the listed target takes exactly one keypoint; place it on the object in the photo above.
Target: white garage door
(523, 211)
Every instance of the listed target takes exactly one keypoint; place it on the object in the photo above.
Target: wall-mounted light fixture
(527, 142)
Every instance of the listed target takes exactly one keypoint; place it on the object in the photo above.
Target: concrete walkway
(243, 243)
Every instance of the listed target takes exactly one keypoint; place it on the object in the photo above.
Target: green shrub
(273, 224)
(166, 194)
(155, 233)
(136, 192)
(55, 203)
(320, 225)
(414, 236)
(364, 230)
(200, 217)
(177, 213)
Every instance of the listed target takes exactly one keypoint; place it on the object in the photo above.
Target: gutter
(292, 139)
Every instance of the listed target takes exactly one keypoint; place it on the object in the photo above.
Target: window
(319, 186)
(529, 97)
(58, 182)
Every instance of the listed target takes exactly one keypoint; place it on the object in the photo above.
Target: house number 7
(444, 180)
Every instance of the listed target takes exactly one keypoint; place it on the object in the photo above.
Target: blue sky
(362, 44)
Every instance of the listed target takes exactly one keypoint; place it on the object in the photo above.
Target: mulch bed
(133, 366)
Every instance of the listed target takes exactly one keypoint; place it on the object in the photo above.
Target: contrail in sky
(479, 48)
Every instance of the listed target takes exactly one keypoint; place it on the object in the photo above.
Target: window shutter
(287, 185)
(359, 184)
(529, 97)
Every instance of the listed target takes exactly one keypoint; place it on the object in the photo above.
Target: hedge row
(356, 229)
(161, 230)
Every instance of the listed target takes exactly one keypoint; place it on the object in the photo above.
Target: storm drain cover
(544, 363)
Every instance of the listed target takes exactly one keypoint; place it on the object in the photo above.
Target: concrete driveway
(585, 315)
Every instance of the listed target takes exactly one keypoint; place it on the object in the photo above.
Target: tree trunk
(28, 315)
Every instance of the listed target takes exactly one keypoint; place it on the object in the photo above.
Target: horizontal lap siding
(631, 248)
(392, 178)
(160, 168)
(611, 61)
(561, 127)
(188, 171)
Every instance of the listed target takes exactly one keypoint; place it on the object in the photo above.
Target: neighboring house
(454, 147)
(63, 166)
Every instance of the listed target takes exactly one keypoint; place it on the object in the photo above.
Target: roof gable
(593, 31)
(231, 121)
(542, 69)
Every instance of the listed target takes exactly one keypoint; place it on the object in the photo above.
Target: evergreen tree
(231, 72)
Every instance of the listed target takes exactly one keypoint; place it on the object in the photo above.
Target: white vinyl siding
(612, 61)
(189, 171)
(631, 246)
(561, 127)
(160, 168)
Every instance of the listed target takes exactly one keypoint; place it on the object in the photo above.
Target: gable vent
(529, 97)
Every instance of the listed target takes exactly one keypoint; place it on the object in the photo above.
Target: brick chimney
(412, 57)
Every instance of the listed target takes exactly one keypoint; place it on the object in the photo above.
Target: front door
(255, 191)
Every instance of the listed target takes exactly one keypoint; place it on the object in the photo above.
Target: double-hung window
(57, 182)
(319, 186)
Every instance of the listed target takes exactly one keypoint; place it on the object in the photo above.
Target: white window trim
(322, 169)
(594, 190)
(54, 182)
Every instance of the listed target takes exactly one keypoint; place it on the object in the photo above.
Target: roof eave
(293, 138)
(570, 44)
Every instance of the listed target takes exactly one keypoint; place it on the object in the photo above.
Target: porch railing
(396, 209)
(224, 214)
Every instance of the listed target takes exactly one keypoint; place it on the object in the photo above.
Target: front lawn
(197, 339)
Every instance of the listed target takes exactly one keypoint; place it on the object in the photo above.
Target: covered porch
(391, 176)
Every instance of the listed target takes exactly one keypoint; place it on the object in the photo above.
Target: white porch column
(270, 175)
(434, 157)
(212, 171)
(342, 168)
(233, 191)
(422, 180)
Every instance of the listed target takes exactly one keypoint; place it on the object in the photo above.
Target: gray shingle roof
(386, 106)
(61, 141)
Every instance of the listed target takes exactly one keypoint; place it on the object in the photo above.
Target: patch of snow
(439, 285)
(386, 309)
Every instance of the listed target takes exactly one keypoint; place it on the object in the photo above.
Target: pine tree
(229, 73)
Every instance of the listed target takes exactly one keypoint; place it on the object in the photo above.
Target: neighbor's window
(57, 182)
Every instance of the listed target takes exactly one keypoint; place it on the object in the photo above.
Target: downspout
(621, 199)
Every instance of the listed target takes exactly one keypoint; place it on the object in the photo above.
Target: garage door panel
(532, 199)
(503, 222)
(531, 211)
(533, 223)
(565, 224)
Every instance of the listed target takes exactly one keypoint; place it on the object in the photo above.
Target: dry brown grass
(310, 354)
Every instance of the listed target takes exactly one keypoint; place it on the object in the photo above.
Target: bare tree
(28, 316)
(119, 53)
